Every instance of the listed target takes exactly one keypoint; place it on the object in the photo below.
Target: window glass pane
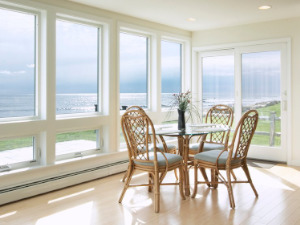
(170, 71)
(16, 150)
(17, 64)
(261, 91)
(218, 81)
(76, 142)
(76, 68)
(133, 70)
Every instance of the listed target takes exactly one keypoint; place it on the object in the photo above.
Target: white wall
(288, 28)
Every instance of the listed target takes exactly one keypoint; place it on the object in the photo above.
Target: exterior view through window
(76, 143)
(218, 81)
(17, 83)
(261, 73)
(171, 71)
(16, 150)
(260, 89)
(17, 64)
(77, 67)
(133, 70)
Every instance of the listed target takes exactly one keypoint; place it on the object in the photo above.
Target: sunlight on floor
(7, 214)
(70, 196)
(78, 215)
(198, 196)
(281, 172)
(270, 179)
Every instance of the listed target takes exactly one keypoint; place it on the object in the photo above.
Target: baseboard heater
(47, 180)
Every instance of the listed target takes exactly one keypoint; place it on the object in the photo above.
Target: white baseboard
(47, 185)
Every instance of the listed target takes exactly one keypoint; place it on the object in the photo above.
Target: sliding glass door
(251, 78)
(217, 80)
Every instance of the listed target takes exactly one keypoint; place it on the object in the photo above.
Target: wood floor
(96, 203)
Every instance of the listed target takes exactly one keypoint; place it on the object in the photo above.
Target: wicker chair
(137, 128)
(229, 159)
(163, 146)
(218, 114)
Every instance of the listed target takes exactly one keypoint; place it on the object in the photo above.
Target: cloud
(7, 72)
(30, 65)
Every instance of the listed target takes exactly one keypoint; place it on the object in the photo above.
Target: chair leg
(150, 178)
(125, 175)
(156, 192)
(203, 172)
(233, 175)
(176, 175)
(195, 179)
(214, 178)
(246, 170)
(128, 179)
(229, 188)
(181, 179)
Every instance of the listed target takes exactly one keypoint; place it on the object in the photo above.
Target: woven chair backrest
(138, 131)
(243, 134)
(219, 114)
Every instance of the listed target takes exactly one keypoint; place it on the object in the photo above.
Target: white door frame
(284, 45)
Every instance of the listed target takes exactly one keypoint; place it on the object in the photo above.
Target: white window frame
(149, 62)
(13, 123)
(100, 72)
(283, 44)
(182, 66)
(37, 72)
(27, 163)
(79, 154)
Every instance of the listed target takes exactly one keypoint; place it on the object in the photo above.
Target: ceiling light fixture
(191, 19)
(264, 7)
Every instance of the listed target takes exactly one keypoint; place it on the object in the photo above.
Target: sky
(16, 52)
(133, 66)
(77, 57)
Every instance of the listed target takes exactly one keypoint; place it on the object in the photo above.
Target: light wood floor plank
(96, 203)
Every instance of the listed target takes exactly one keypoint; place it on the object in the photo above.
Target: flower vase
(181, 120)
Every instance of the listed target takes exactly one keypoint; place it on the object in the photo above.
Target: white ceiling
(209, 14)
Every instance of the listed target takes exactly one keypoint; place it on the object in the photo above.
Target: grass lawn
(263, 125)
(28, 141)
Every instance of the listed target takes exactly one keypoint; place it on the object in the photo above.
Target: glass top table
(184, 137)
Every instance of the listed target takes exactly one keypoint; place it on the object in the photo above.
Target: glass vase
(181, 120)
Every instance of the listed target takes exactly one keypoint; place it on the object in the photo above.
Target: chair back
(223, 115)
(134, 107)
(138, 131)
(243, 135)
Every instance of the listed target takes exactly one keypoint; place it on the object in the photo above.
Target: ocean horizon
(24, 105)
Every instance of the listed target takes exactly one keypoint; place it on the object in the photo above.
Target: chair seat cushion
(172, 158)
(211, 156)
(160, 146)
(207, 147)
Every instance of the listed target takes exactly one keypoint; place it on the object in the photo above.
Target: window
(171, 71)
(77, 67)
(261, 81)
(218, 81)
(16, 150)
(133, 70)
(77, 144)
(17, 64)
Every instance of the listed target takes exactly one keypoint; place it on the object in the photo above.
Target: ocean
(24, 105)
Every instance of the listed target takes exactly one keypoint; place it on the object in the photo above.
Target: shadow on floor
(261, 163)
